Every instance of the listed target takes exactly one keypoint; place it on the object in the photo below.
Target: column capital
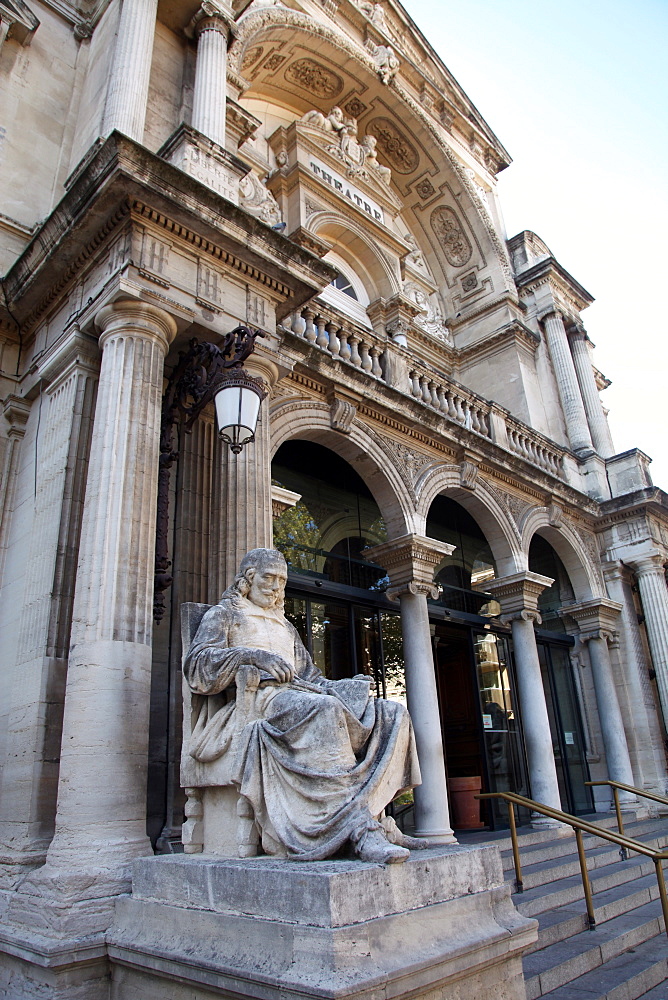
(411, 562)
(139, 318)
(651, 562)
(596, 619)
(518, 594)
(212, 16)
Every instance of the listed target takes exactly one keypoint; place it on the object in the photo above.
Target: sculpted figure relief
(359, 155)
(321, 759)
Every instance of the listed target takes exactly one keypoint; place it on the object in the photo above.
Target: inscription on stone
(346, 190)
(311, 76)
(448, 231)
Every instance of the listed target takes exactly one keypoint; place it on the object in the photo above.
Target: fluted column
(651, 574)
(598, 424)
(567, 382)
(241, 509)
(411, 562)
(127, 92)
(645, 743)
(212, 29)
(518, 596)
(101, 816)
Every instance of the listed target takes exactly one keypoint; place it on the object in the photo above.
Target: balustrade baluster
(367, 363)
(310, 331)
(460, 415)
(322, 340)
(376, 368)
(442, 400)
(354, 351)
(433, 401)
(298, 324)
(334, 342)
(415, 385)
(344, 353)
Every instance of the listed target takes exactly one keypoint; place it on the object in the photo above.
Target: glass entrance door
(566, 728)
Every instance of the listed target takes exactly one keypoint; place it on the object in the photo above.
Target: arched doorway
(335, 597)
(561, 692)
(480, 723)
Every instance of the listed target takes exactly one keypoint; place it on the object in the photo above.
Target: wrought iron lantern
(204, 373)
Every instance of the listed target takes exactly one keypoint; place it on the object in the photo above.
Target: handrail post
(620, 822)
(516, 848)
(662, 891)
(585, 879)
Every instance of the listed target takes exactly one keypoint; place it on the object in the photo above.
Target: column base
(435, 836)
(539, 822)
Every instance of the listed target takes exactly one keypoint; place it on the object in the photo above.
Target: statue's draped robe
(324, 758)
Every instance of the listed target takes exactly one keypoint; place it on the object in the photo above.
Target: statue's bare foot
(375, 848)
(395, 836)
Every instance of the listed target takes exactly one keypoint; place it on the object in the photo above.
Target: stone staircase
(625, 957)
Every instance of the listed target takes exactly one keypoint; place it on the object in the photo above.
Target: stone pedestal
(206, 161)
(200, 927)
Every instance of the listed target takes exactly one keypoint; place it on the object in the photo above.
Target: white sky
(577, 92)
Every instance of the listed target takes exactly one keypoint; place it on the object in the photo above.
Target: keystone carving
(341, 415)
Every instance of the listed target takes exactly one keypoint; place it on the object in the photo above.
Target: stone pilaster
(411, 562)
(212, 27)
(28, 803)
(242, 508)
(567, 383)
(101, 817)
(598, 423)
(518, 596)
(127, 92)
(651, 574)
(597, 620)
(16, 411)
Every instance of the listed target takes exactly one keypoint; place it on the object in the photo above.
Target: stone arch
(269, 28)
(310, 420)
(358, 249)
(493, 521)
(581, 564)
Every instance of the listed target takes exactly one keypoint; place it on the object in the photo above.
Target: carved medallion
(355, 108)
(311, 76)
(394, 144)
(274, 61)
(425, 189)
(449, 233)
(251, 56)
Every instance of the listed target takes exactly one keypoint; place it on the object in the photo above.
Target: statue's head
(262, 576)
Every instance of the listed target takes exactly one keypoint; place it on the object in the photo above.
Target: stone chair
(218, 819)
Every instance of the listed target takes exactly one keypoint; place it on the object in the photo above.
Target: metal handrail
(616, 785)
(580, 826)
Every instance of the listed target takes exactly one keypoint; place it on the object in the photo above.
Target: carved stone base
(206, 161)
(201, 927)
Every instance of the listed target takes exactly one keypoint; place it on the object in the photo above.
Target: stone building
(169, 171)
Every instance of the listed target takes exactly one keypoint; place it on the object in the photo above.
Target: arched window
(347, 292)
(344, 285)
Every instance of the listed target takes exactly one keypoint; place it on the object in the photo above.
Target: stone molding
(410, 561)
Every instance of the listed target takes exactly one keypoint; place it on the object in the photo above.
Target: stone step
(566, 960)
(626, 977)
(567, 890)
(598, 857)
(564, 921)
(659, 992)
(655, 830)
(529, 837)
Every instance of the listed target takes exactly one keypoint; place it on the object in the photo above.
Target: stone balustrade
(341, 338)
(324, 328)
(532, 447)
(452, 400)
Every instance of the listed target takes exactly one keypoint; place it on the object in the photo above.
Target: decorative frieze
(312, 76)
(394, 145)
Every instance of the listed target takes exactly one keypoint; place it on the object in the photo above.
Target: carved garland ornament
(394, 144)
(317, 79)
(448, 231)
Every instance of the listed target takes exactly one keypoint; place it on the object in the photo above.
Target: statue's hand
(274, 665)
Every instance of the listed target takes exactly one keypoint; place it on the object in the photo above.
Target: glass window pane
(368, 646)
(393, 656)
(330, 637)
(295, 612)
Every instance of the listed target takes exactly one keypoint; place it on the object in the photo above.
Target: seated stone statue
(321, 759)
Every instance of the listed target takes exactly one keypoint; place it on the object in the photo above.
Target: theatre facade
(433, 457)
